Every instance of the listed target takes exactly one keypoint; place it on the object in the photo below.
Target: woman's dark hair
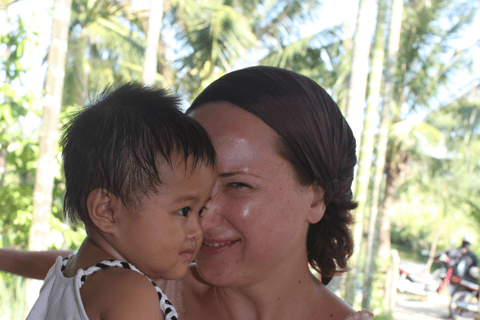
(118, 142)
(314, 137)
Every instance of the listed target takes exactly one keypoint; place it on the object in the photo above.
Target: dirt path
(411, 307)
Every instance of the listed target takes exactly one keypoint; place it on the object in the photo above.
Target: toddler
(138, 174)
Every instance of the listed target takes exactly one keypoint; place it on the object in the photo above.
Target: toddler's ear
(101, 206)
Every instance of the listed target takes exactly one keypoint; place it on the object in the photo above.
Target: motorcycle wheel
(457, 305)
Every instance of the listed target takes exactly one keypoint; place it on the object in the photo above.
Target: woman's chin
(218, 274)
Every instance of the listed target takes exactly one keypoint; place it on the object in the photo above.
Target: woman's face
(257, 220)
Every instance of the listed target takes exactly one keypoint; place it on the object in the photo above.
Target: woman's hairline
(279, 143)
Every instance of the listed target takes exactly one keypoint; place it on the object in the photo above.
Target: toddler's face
(163, 236)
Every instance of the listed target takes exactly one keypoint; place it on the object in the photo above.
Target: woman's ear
(317, 206)
(102, 206)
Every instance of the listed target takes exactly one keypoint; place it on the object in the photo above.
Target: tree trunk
(153, 34)
(367, 145)
(3, 164)
(358, 77)
(47, 161)
(354, 115)
(394, 171)
(381, 238)
(341, 94)
(433, 248)
(4, 145)
(391, 282)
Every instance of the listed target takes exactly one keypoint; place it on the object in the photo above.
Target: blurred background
(406, 74)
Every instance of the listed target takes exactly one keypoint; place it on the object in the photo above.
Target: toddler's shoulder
(118, 293)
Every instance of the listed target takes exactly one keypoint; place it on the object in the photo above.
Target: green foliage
(427, 60)
(441, 188)
(19, 151)
(213, 36)
(103, 48)
(18, 154)
(384, 316)
(11, 297)
(17, 39)
(217, 36)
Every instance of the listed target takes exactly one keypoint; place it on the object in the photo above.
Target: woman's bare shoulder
(327, 305)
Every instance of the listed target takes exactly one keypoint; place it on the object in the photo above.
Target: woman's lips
(213, 247)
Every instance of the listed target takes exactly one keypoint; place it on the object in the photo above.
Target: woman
(282, 201)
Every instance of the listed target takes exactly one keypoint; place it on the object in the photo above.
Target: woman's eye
(239, 185)
(183, 211)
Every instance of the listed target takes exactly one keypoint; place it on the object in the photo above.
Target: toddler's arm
(29, 264)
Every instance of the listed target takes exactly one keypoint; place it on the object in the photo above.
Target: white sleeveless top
(60, 296)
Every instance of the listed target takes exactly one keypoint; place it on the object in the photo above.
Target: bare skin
(203, 301)
(161, 237)
(29, 264)
(254, 265)
(105, 297)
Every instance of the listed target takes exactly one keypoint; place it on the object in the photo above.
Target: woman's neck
(273, 298)
(283, 294)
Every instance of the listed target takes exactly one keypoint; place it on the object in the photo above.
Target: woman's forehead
(224, 117)
(241, 139)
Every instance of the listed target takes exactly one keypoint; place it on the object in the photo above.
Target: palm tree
(367, 144)
(106, 44)
(381, 223)
(420, 55)
(359, 70)
(354, 113)
(46, 167)
(151, 55)
(218, 36)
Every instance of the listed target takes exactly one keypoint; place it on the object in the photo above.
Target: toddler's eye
(183, 211)
(201, 211)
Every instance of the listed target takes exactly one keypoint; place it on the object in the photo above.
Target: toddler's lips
(188, 254)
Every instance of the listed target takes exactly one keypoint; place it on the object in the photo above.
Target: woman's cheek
(240, 211)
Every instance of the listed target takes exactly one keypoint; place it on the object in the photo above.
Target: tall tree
(388, 107)
(106, 44)
(218, 35)
(367, 144)
(354, 114)
(425, 63)
(151, 53)
(47, 163)
(360, 65)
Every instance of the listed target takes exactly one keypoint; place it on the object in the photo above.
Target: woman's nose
(211, 217)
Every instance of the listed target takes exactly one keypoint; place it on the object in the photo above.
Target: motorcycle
(414, 279)
(465, 303)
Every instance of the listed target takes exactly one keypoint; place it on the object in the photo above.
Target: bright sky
(346, 11)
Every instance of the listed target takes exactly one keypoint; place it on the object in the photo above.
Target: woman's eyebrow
(230, 174)
(235, 173)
